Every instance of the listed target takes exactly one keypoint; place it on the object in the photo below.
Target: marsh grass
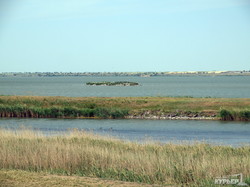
(119, 107)
(85, 154)
(60, 112)
(232, 115)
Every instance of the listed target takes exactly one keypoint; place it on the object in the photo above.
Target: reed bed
(239, 115)
(121, 107)
(86, 154)
(20, 111)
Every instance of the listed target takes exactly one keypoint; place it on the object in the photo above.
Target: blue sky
(124, 35)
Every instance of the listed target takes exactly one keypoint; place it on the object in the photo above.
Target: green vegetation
(89, 155)
(227, 115)
(120, 107)
(118, 83)
(61, 112)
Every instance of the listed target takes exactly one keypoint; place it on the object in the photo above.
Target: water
(214, 132)
(195, 86)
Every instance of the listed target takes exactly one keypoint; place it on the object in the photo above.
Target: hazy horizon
(124, 71)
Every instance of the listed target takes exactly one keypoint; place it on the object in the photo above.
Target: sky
(124, 35)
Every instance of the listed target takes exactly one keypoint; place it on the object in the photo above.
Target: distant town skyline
(124, 36)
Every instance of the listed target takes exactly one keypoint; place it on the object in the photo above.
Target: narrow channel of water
(177, 131)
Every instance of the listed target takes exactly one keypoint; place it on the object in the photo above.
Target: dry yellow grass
(19, 178)
(90, 155)
(164, 103)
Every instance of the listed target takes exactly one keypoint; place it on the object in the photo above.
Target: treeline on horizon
(142, 74)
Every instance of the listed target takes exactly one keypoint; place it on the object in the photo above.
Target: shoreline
(128, 117)
(173, 118)
(127, 74)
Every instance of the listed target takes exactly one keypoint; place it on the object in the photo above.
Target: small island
(118, 83)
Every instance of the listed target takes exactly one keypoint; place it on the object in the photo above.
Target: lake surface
(216, 132)
(177, 131)
(195, 86)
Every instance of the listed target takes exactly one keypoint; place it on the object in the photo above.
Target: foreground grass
(120, 107)
(90, 155)
(19, 178)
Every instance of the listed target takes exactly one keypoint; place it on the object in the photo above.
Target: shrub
(118, 113)
(244, 115)
(86, 112)
(102, 112)
(226, 115)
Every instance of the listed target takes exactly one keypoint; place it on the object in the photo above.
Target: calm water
(196, 86)
(215, 132)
